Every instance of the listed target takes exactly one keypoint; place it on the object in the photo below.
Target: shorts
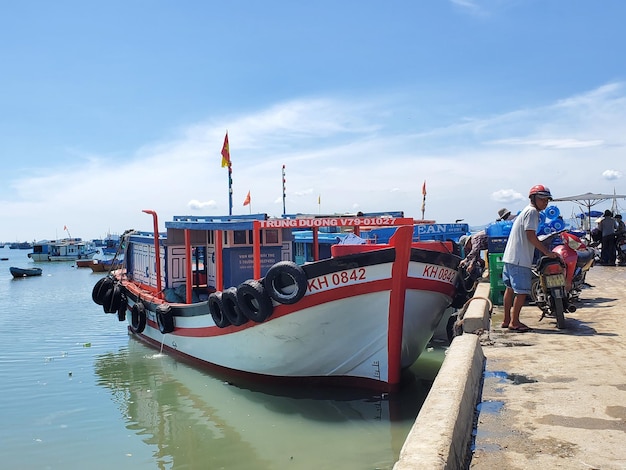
(519, 278)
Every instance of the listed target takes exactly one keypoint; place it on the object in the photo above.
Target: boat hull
(343, 329)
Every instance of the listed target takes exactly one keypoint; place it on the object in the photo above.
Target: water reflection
(194, 420)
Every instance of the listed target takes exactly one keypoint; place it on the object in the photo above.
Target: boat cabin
(228, 250)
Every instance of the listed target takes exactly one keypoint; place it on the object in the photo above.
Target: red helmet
(541, 191)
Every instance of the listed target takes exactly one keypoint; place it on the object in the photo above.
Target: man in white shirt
(518, 257)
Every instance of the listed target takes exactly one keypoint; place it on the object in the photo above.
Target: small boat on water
(65, 249)
(223, 292)
(103, 265)
(84, 263)
(25, 272)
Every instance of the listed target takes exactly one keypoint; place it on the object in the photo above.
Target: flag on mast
(225, 152)
(246, 201)
(226, 162)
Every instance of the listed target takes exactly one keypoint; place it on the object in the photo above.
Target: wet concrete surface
(557, 398)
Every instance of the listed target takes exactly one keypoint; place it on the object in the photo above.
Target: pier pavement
(557, 398)
(548, 398)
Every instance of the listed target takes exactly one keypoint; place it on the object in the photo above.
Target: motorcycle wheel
(559, 313)
(535, 289)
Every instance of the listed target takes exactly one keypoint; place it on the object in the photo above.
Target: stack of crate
(496, 291)
(495, 247)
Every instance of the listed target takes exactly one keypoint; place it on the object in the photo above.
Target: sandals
(504, 325)
(520, 329)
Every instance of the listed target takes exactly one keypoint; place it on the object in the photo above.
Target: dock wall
(441, 435)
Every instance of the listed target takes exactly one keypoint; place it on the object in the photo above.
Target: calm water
(78, 393)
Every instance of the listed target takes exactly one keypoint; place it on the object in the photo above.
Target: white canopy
(588, 200)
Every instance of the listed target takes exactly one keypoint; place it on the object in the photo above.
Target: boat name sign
(332, 222)
(341, 278)
(438, 272)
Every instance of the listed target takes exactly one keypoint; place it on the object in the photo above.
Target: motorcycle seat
(584, 256)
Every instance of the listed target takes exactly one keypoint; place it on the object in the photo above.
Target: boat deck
(557, 398)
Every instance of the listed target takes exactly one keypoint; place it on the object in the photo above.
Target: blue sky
(108, 108)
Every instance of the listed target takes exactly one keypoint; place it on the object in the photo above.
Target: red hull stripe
(283, 310)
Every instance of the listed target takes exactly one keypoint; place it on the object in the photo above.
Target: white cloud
(507, 196)
(194, 204)
(552, 143)
(611, 174)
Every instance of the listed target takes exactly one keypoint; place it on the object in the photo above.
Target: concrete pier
(550, 398)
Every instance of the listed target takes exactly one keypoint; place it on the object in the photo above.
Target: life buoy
(164, 318)
(285, 282)
(100, 289)
(138, 317)
(121, 311)
(231, 307)
(112, 299)
(253, 301)
(216, 308)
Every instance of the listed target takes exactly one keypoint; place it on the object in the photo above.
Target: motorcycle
(558, 282)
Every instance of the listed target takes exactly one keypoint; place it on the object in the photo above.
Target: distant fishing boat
(20, 246)
(65, 249)
(108, 245)
(224, 293)
(25, 272)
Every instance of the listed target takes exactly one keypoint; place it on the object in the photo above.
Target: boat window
(271, 236)
(239, 237)
(299, 249)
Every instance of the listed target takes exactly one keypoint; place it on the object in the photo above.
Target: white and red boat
(222, 292)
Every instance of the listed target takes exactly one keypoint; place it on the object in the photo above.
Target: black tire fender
(112, 299)
(231, 307)
(164, 318)
(286, 282)
(100, 289)
(253, 301)
(216, 308)
(121, 311)
(138, 317)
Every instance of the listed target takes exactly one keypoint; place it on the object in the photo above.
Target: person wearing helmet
(518, 257)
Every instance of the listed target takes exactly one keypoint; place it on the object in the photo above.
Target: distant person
(472, 246)
(607, 226)
(504, 214)
(518, 257)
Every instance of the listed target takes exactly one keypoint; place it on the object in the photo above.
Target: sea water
(78, 392)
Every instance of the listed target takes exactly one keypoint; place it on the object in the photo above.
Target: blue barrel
(557, 225)
(552, 212)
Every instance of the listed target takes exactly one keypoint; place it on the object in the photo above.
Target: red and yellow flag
(225, 152)
(424, 188)
(246, 201)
